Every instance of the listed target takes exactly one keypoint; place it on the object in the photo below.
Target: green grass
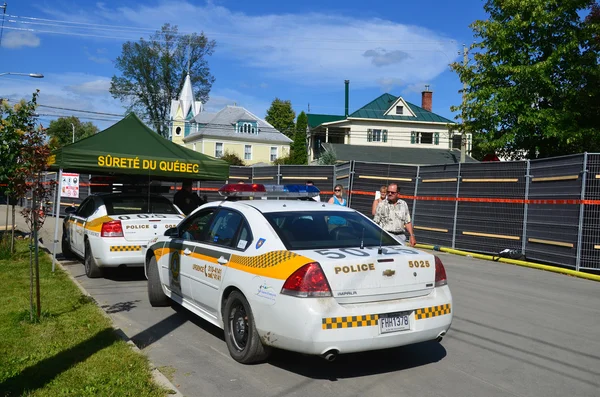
(72, 350)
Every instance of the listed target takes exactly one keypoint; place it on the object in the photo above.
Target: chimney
(426, 98)
(347, 83)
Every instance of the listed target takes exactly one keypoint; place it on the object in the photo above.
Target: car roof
(285, 205)
(109, 195)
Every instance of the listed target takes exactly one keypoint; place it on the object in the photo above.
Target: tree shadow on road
(42, 373)
(120, 307)
(360, 364)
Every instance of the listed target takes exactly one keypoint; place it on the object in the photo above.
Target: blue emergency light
(275, 191)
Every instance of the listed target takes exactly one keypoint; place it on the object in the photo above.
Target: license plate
(394, 322)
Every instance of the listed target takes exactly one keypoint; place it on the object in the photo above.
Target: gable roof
(377, 108)
(131, 147)
(396, 155)
(315, 120)
(222, 124)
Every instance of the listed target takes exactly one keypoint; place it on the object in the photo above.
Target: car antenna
(387, 182)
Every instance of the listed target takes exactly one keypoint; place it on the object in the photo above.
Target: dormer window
(399, 109)
(246, 127)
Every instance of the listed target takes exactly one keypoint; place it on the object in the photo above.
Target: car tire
(242, 339)
(91, 269)
(65, 247)
(156, 295)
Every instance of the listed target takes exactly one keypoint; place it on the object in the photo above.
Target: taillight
(308, 281)
(440, 273)
(112, 229)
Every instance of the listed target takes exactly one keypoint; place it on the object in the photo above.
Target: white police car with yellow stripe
(298, 275)
(110, 230)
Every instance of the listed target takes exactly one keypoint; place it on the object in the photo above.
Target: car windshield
(119, 205)
(327, 229)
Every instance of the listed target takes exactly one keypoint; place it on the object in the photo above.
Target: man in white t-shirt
(318, 196)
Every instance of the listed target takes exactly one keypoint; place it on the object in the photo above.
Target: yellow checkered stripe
(350, 322)
(119, 248)
(433, 311)
(269, 259)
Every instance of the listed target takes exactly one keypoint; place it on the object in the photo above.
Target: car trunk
(367, 275)
(143, 227)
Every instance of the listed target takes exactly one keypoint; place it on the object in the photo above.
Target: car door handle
(187, 251)
(222, 260)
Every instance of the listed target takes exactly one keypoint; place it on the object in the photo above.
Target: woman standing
(337, 198)
(382, 197)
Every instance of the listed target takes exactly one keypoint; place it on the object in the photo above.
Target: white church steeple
(183, 112)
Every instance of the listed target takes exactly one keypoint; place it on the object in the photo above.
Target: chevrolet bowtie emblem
(389, 272)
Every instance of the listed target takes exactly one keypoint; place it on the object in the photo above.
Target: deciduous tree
(281, 116)
(532, 86)
(153, 72)
(61, 130)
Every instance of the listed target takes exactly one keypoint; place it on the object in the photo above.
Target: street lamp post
(34, 75)
(73, 125)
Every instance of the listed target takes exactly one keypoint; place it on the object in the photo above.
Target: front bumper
(317, 325)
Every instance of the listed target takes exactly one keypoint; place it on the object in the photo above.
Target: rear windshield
(327, 229)
(138, 205)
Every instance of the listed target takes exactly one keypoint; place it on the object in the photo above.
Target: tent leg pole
(56, 216)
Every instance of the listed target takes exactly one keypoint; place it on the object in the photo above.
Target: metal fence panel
(490, 207)
(433, 221)
(552, 229)
(322, 176)
(266, 175)
(238, 173)
(369, 177)
(590, 242)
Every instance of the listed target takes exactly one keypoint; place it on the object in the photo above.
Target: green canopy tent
(130, 147)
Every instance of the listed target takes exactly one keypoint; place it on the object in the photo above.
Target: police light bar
(292, 191)
(242, 190)
(256, 189)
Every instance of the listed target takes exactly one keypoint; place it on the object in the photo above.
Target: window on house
(426, 138)
(369, 135)
(376, 135)
(456, 141)
(247, 127)
(247, 152)
(384, 135)
(219, 149)
(273, 153)
(399, 109)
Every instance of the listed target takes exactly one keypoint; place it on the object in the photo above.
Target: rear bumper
(315, 326)
(114, 252)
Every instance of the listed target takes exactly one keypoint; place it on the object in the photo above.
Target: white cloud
(100, 86)
(17, 39)
(387, 84)
(220, 98)
(313, 49)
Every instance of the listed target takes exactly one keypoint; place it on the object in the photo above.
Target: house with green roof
(387, 124)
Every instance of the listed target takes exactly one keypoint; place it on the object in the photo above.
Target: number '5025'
(418, 264)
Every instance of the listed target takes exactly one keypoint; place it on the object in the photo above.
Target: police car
(303, 276)
(110, 230)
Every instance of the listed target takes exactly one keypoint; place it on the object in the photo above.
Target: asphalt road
(516, 332)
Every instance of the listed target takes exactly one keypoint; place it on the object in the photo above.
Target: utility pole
(463, 140)
(73, 125)
(3, 17)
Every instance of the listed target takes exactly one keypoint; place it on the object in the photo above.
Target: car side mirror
(172, 232)
(70, 210)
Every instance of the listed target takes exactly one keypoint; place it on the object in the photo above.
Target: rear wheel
(156, 295)
(91, 269)
(242, 339)
(65, 246)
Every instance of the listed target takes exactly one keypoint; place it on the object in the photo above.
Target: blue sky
(297, 50)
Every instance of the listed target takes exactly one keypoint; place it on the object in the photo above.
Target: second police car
(110, 230)
(297, 275)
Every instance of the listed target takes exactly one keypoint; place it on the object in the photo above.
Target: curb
(157, 376)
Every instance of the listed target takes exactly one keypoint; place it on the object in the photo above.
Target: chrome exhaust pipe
(440, 336)
(330, 355)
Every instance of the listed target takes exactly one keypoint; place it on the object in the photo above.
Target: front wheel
(156, 295)
(242, 339)
(91, 269)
